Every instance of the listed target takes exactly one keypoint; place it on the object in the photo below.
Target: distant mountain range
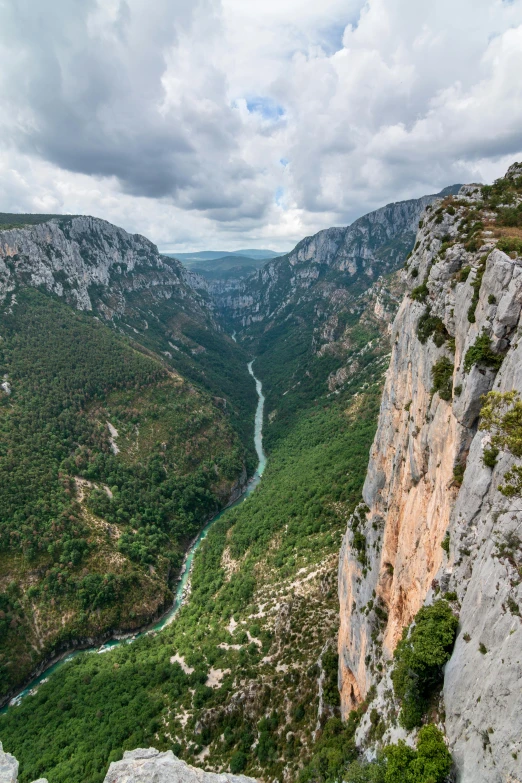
(213, 255)
(225, 265)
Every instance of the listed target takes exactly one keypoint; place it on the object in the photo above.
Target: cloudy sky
(251, 123)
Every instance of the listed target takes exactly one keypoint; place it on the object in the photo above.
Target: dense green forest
(296, 379)
(93, 526)
(201, 354)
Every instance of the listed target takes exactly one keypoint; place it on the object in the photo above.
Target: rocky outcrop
(427, 479)
(144, 765)
(147, 765)
(8, 767)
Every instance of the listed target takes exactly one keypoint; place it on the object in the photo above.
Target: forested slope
(126, 419)
(122, 279)
(109, 463)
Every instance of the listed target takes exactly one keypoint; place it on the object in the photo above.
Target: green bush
(433, 761)
(431, 326)
(420, 293)
(481, 353)
(464, 274)
(429, 763)
(476, 284)
(331, 667)
(510, 216)
(458, 474)
(334, 750)
(238, 762)
(510, 245)
(442, 375)
(419, 657)
(473, 244)
(489, 458)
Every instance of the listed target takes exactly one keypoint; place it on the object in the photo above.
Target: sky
(226, 124)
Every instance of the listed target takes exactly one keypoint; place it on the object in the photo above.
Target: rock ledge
(148, 765)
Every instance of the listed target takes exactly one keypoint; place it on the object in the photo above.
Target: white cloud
(221, 123)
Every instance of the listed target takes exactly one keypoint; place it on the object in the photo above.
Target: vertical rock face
(427, 479)
(336, 257)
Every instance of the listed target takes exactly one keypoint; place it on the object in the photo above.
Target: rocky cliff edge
(436, 522)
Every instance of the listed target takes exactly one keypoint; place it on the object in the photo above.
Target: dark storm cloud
(97, 78)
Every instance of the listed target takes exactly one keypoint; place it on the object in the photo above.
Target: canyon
(414, 308)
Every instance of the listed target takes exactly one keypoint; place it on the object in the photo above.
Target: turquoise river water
(181, 590)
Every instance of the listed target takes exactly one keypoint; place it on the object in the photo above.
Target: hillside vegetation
(109, 464)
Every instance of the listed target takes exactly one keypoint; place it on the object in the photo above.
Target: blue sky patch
(268, 108)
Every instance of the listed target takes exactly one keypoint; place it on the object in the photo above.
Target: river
(183, 584)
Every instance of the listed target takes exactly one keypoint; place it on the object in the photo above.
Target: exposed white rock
(151, 766)
(82, 259)
(113, 433)
(8, 767)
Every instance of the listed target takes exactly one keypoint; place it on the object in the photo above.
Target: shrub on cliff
(510, 245)
(442, 375)
(429, 763)
(501, 414)
(420, 293)
(431, 326)
(481, 353)
(419, 658)
(333, 752)
(238, 762)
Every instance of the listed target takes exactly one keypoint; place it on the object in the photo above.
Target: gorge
(401, 330)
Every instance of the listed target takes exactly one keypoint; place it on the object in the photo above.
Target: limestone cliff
(335, 259)
(93, 265)
(455, 338)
